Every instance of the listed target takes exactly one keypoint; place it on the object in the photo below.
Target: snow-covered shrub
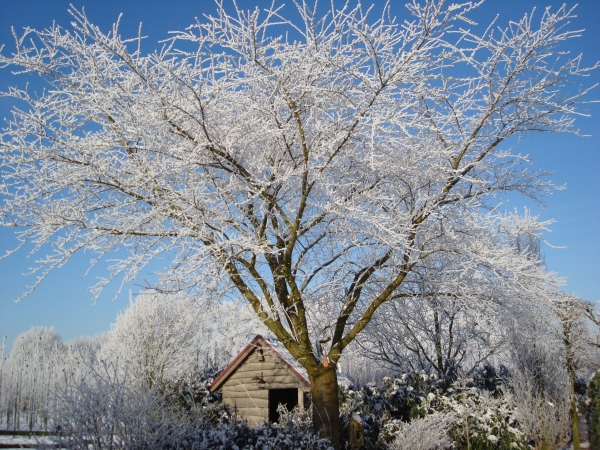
(539, 378)
(396, 400)
(190, 393)
(427, 433)
(237, 435)
(297, 418)
(294, 430)
(105, 410)
(370, 402)
(488, 378)
(480, 419)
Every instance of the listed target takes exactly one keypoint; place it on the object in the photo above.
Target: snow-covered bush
(394, 401)
(294, 430)
(239, 436)
(427, 433)
(480, 419)
(479, 415)
(100, 411)
(106, 410)
(540, 383)
(190, 393)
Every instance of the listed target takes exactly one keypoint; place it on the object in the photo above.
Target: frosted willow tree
(305, 166)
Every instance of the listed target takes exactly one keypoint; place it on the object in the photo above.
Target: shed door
(287, 397)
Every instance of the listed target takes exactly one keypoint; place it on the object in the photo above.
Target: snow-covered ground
(16, 442)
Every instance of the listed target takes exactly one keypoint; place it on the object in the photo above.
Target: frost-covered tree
(155, 338)
(549, 351)
(299, 165)
(439, 327)
(224, 331)
(38, 365)
(538, 376)
(32, 366)
(160, 338)
(592, 314)
(578, 348)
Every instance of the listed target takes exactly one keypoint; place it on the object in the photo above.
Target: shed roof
(275, 347)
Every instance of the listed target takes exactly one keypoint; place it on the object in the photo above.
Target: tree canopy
(309, 167)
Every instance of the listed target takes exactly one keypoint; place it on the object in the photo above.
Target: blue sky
(64, 301)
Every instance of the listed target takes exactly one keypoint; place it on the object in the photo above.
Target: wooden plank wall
(244, 395)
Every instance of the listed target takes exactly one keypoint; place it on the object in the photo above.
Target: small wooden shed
(261, 377)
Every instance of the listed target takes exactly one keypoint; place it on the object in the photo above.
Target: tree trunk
(325, 402)
(571, 371)
(574, 423)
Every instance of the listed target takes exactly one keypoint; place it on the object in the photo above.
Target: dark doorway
(287, 397)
